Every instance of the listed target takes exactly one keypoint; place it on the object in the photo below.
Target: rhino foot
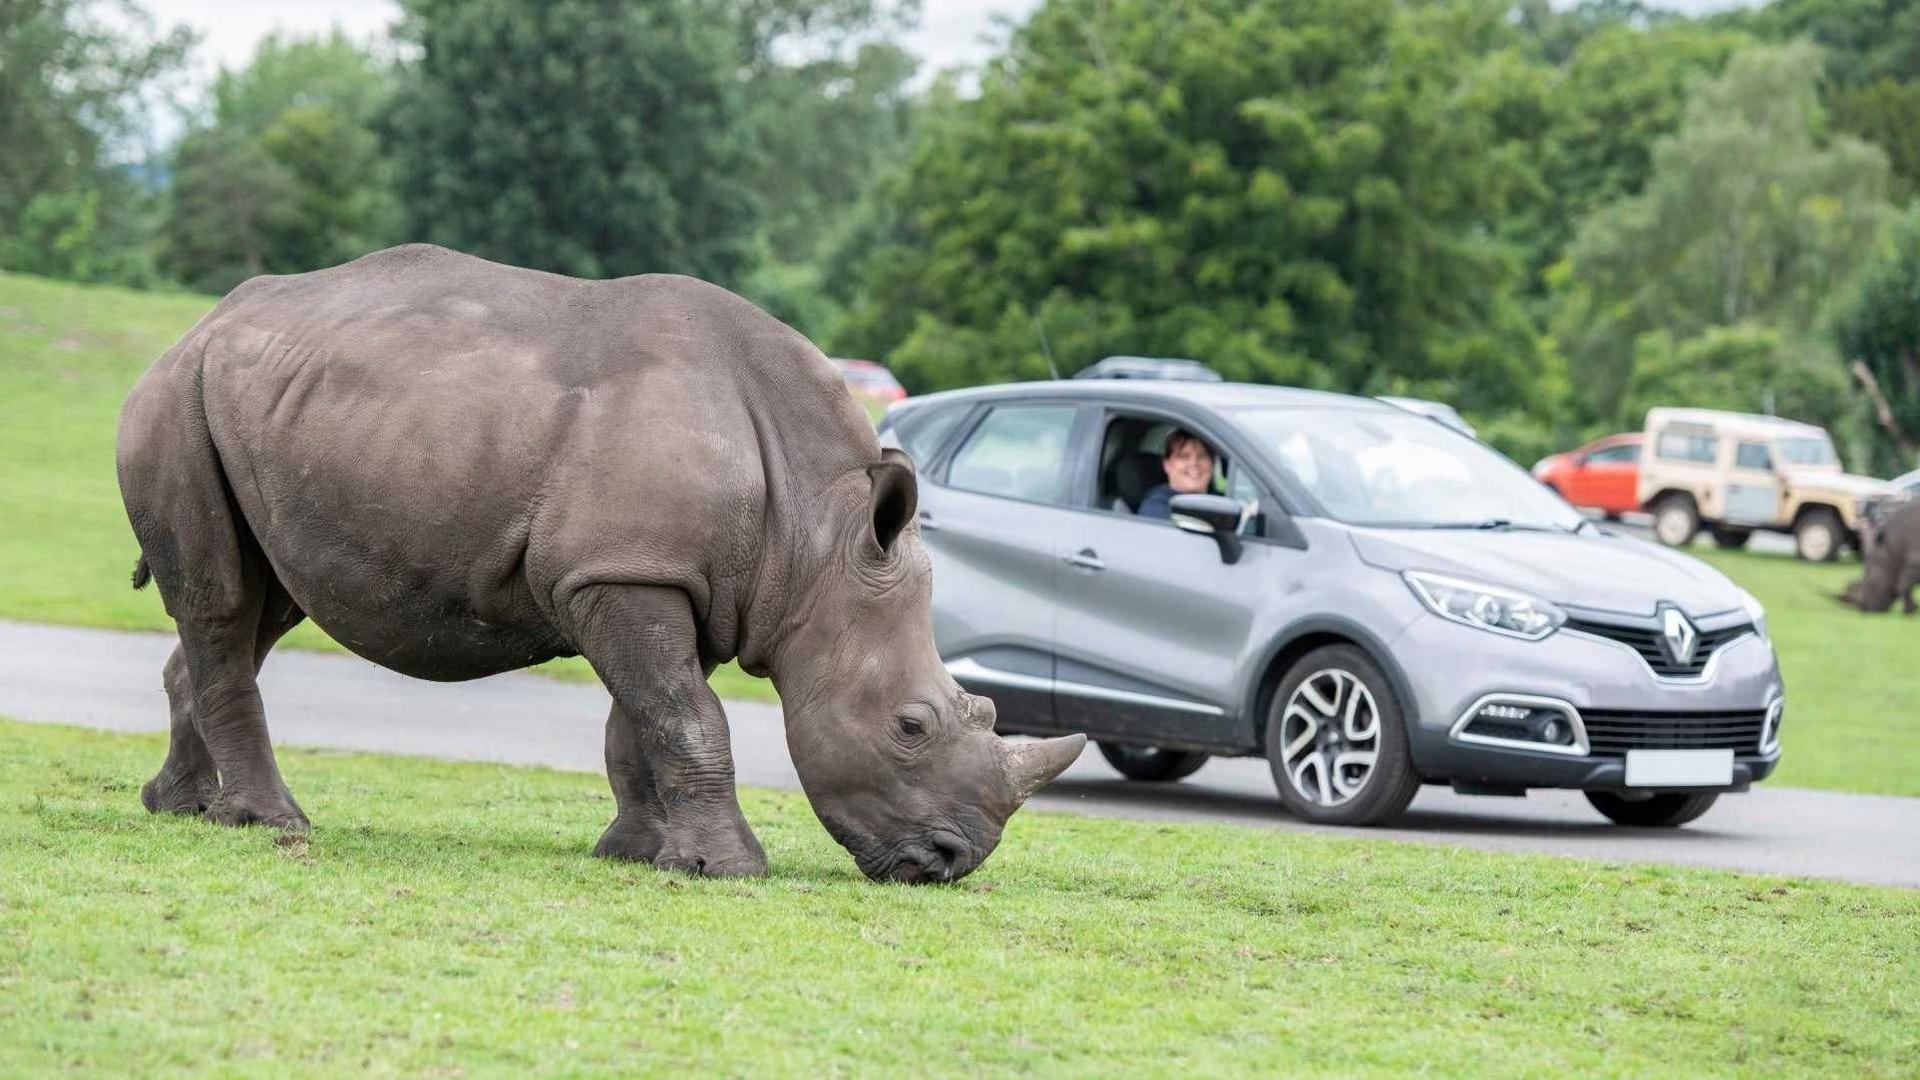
(189, 794)
(630, 843)
(730, 850)
(275, 812)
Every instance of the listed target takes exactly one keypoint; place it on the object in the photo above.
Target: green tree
(70, 75)
(230, 200)
(1877, 328)
(298, 120)
(578, 136)
(1887, 114)
(1752, 214)
(1309, 192)
(1864, 40)
(1623, 88)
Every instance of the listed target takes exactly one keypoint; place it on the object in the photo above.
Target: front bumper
(1450, 669)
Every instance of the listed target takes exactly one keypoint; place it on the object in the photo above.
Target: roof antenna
(1041, 329)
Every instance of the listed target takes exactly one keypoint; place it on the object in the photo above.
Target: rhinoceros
(458, 468)
(1892, 564)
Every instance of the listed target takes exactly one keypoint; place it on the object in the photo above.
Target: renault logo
(1679, 634)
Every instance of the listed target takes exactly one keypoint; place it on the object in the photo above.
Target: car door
(989, 518)
(1753, 488)
(1152, 626)
(1609, 478)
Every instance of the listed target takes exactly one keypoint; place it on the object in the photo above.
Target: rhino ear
(896, 494)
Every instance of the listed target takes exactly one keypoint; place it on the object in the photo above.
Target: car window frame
(1278, 528)
(938, 473)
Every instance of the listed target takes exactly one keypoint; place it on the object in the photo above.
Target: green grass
(445, 919)
(1853, 701)
(68, 356)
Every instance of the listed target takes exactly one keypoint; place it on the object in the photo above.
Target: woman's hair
(1180, 437)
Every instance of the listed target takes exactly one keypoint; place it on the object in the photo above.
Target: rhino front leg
(668, 755)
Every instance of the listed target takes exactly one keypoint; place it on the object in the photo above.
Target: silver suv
(1367, 598)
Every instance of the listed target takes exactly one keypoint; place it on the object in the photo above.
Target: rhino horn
(1030, 765)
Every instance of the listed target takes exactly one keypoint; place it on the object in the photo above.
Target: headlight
(1488, 607)
(1754, 611)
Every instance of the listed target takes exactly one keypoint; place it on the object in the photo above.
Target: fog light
(1523, 723)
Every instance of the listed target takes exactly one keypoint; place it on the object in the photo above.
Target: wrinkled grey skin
(458, 468)
(1892, 565)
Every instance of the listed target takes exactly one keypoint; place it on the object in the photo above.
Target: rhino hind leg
(188, 781)
(668, 756)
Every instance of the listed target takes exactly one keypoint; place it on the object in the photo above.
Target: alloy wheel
(1330, 737)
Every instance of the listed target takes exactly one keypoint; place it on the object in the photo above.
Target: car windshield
(1396, 469)
(1807, 451)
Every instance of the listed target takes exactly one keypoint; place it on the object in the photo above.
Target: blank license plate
(1679, 768)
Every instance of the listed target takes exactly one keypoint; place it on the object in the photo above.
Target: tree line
(1552, 217)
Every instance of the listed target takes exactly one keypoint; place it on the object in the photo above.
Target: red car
(868, 379)
(1602, 475)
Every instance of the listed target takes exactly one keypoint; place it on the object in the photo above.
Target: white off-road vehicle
(1735, 473)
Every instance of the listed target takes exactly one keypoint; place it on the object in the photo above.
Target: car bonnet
(1593, 570)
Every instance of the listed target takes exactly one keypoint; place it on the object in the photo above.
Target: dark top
(1157, 502)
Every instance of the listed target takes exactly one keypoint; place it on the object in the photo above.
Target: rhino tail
(141, 573)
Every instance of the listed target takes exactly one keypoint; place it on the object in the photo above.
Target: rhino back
(434, 450)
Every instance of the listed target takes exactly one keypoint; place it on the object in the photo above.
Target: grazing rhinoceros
(1892, 565)
(458, 468)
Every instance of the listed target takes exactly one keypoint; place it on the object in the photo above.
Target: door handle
(1085, 559)
(927, 524)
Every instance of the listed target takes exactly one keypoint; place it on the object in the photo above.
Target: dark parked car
(1148, 367)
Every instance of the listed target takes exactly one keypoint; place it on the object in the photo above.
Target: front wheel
(1817, 536)
(1151, 763)
(1675, 521)
(1651, 811)
(1337, 741)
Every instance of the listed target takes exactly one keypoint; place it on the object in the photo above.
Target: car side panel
(993, 605)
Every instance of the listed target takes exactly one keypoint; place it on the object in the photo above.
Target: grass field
(68, 355)
(445, 919)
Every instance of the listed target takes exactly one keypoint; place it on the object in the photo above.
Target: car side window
(1685, 446)
(1016, 452)
(1614, 455)
(922, 440)
(1753, 455)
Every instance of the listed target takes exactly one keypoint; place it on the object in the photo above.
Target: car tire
(1152, 764)
(1817, 536)
(1731, 539)
(1676, 521)
(1651, 811)
(1314, 781)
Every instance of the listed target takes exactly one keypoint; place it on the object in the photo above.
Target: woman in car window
(1189, 465)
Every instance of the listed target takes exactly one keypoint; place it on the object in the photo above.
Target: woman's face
(1189, 467)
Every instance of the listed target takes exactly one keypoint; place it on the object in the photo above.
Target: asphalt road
(111, 680)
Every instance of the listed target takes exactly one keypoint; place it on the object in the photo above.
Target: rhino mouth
(935, 856)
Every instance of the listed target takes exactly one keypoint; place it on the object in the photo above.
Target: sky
(951, 33)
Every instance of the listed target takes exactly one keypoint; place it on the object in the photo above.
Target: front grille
(1652, 645)
(1612, 734)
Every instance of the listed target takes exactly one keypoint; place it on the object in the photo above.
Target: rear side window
(1685, 446)
(1627, 452)
(921, 436)
(1753, 455)
(1017, 452)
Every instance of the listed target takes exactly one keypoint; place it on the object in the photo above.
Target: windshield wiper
(1497, 525)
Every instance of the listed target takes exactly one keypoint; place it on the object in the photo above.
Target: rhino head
(901, 765)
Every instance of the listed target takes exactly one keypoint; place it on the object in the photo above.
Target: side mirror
(1211, 515)
(1579, 461)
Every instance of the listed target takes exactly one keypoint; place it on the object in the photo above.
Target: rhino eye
(912, 728)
